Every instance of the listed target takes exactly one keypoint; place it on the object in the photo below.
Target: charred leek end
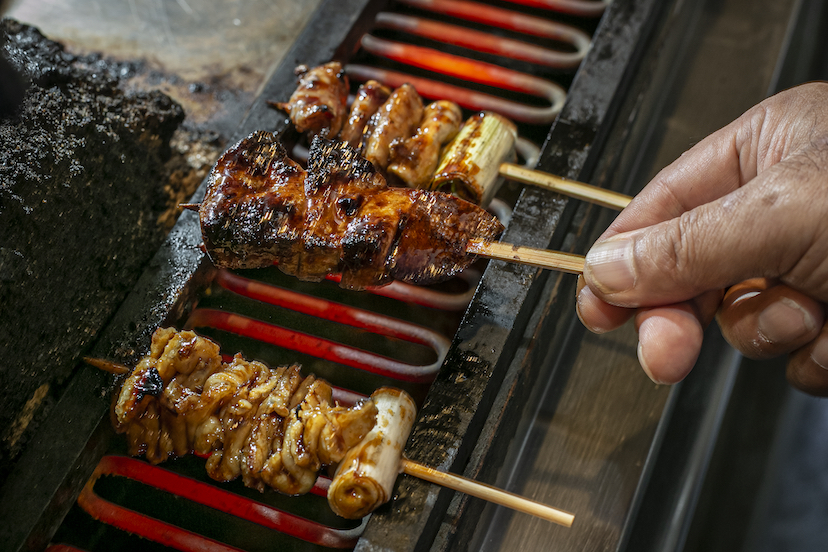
(470, 164)
(365, 477)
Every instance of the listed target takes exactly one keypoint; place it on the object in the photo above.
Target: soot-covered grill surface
(83, 172)
(93, 167)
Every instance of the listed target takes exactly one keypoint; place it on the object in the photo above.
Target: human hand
(737, 225)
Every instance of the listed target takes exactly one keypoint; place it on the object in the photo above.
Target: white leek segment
(365, 477)
(469, 167)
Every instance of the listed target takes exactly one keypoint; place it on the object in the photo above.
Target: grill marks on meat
(271, 426)
(255, 207)
(319, 104)
(339, 216)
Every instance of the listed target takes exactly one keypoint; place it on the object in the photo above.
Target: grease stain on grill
(444, 419)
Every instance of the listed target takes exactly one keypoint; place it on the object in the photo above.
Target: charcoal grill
(492, 359)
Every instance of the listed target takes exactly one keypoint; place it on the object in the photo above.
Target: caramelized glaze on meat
(272, 427)
(369, 97)
(396, 119)
(319, 103)
(414, 159)
(254, 210)
(339, 216)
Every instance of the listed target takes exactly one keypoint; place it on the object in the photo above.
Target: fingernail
(579, 298)
(819, 354)
(584, 295)
(611, 264)
(643, 363)
(784, 321)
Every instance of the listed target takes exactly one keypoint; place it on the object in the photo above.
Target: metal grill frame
(35, 500)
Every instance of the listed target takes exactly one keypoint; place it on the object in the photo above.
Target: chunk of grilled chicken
(414, 159)
(340, 216)
(319, 104)
(254, 209)
(369, 97)
(396, 119)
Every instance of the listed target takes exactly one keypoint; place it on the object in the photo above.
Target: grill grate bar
(467, 69)
(333, 311)
(493, 44)
(583, 8)
(469, 99)
(207, 495)
(425, 297)
(319, 347)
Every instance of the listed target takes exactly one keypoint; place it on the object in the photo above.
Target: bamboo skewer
(542, 258)
(107, 365)
(578, 190)
(487, 492)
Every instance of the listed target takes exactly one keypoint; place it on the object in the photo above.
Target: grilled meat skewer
(338, 216)
(275, 428)
(319, 103)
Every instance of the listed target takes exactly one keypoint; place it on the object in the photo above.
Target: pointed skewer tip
(107, 365)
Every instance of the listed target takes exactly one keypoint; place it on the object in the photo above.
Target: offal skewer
(472, 166)
(273, 427)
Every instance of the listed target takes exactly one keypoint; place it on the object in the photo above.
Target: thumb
(763, 229)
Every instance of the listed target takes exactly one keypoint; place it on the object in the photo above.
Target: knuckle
(679, 248)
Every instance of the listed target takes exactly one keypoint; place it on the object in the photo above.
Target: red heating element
(317, 346)
(473, 70)
(208, 495)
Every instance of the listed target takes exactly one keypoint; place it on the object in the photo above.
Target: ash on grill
(89, 176)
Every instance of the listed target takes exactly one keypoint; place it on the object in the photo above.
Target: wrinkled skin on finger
(746, 207)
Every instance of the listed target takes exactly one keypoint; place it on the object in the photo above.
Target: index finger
(730, 157)
(709, 170)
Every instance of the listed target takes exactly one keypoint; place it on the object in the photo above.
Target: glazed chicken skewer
(394, 131)
(340, 216)
(396, 134)
(275, 428)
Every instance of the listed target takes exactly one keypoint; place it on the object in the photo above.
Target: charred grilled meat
(319, 104)
(272, 427)
(338, 216)
(369, 97)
